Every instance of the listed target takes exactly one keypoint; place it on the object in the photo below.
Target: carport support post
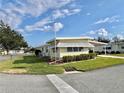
(55, 45)
(105, 49)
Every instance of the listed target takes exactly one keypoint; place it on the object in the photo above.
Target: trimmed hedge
(79, 57)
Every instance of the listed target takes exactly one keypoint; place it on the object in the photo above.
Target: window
(122, 47)
(81, 48)
(69, 49)
(107, 48)
(75, 49)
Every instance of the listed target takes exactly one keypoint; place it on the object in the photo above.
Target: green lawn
(121, 55)
(99, 62)
(29, 65)
(34, 65)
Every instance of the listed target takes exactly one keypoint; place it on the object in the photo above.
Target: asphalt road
(109, 80)
(26, 84)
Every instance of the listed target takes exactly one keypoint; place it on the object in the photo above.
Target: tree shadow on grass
(28, 60)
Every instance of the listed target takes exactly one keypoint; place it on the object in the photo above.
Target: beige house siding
(63, 52)
(63, 43)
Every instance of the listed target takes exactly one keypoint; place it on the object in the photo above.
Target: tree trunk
(7, 50)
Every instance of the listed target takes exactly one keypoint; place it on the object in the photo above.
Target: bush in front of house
(46, 58)
(117, 52)
(79, 57)
(113, 52)
(67, 58)
(37, 52)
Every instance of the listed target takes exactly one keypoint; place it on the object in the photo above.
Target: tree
(10, 39)
(102, 39)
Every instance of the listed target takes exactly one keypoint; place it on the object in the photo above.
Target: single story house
(99, 46)
(68, 46)
(116, 46)
(12, 52)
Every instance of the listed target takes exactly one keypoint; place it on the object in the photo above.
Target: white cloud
(38, 25)
(99, 32)
(64, 12)
(36, 7)
(42, 25)
(47, 28)
(92, 32)
(12, 19)
(53, 27)
(108, 20)
(57, 26)
(14, 13)
(45, 25)
(58, 14)
(102, 32)
(74, 11)
(119, 36)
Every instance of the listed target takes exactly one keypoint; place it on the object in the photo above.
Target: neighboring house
(116, 46)
(112, 47)
(13, 52)
(67, 46)
(99, 46)
(44, 49)
(17, 51)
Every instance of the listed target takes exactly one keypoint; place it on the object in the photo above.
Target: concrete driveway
(109, 80)
(109, 56)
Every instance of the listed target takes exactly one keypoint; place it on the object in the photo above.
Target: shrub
(98, 52)
(92, 55)
(112, 52)
(90, 51)
(79, 57)
(103, 52)
(46, 58)
(67, 58)
(37, 52)
(117, 52)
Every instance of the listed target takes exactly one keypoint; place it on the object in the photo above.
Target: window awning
(75, 45)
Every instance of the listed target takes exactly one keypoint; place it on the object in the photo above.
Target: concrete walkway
(111, 56)
(61, 85)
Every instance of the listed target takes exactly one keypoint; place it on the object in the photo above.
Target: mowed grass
(97, 63)
(31, 65)
(34, 65)
(121, 55)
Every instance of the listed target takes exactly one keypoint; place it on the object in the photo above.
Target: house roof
(96, 43)
(70, 38)
(74, 45)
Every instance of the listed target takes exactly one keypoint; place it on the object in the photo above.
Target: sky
(37, 20)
